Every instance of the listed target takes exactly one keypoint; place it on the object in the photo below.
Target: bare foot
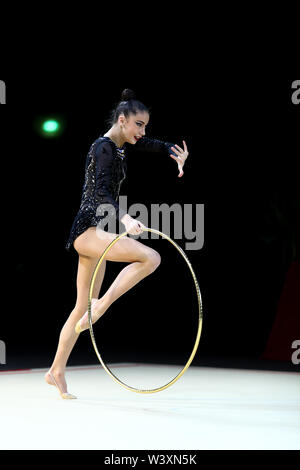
(99, 307)
(57, 376)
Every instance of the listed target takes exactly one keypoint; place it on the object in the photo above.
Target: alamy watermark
(2, 92)
(2, 352)
(296, 94)
(181, 222)
(296, 354)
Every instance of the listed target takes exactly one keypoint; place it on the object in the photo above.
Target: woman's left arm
(174, 151)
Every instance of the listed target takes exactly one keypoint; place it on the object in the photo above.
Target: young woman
(104, 172)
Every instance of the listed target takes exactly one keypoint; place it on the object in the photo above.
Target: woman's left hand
(181, 156)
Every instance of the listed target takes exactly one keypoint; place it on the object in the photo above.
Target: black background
(242, 135)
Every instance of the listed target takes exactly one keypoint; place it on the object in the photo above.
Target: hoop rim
(196, 344)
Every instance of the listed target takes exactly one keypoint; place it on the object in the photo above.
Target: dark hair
(128, 105)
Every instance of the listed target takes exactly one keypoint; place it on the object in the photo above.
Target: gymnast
(105, 170)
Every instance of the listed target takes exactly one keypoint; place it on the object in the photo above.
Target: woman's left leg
(68, 337)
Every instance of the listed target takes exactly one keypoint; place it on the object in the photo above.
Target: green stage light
(51, 126)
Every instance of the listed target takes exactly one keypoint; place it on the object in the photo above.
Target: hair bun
(127, 95)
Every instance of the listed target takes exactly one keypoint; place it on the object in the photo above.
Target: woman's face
(134, 127)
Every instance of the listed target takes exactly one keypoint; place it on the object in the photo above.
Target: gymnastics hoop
(133, 389)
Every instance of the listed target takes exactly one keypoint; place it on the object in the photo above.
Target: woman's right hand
(132, 226)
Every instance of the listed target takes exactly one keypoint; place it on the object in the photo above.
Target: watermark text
(296, 93)
(2, 92)
(181, 222)
(2, 352)
(296, 354)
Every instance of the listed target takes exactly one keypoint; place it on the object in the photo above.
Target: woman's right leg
(143, 261)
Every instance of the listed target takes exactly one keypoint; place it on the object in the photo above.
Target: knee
(153, 261)
(82, 306)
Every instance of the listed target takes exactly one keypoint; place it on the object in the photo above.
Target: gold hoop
(132, 389)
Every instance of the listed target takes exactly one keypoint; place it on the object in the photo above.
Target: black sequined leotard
(105, 169)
